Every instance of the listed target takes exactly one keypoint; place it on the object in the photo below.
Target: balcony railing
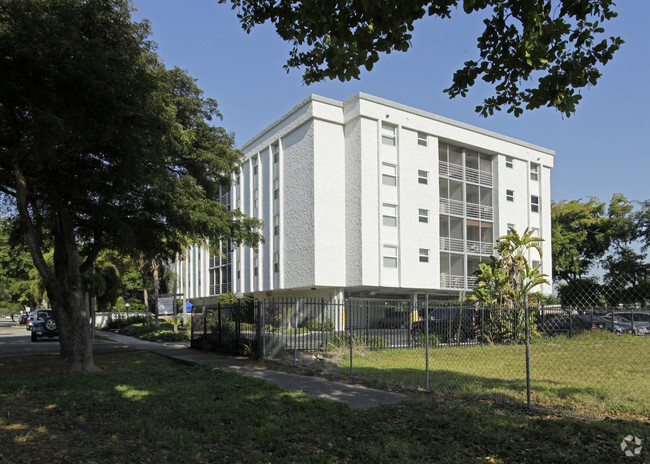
(480, 212)
(452, 244)
(479, 248)
(452, 281)
(478, 177)
(454, 171)
(454, 207)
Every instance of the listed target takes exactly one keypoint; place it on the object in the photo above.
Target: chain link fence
(590, 357)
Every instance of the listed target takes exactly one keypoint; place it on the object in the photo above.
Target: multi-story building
(371, 197)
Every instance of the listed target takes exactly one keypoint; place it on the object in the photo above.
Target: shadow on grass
(142, 410)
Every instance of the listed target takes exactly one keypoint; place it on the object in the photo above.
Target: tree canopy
(103, 147)
(534, 53)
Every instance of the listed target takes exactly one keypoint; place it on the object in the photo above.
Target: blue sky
(603, 149)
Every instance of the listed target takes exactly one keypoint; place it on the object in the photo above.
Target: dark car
(450, 324)
(43, 324)
(23, 319)
(567, 324)
(637, 323)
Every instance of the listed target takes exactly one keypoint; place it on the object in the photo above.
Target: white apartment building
(369, 197)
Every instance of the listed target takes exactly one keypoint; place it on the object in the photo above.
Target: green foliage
(165, 332)
(314, 325)
(118, 323)
(534, 54)
(105, 148)
(341, 341)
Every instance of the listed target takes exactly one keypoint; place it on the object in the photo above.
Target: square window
(534, 171)
(423, 177)
(509, 162)
(389, 174)
(388, 132)
(423, 215)
(422, 139)
(510, 195)
(534, 203)
(424, 255)
(389, 215)
(390, 256)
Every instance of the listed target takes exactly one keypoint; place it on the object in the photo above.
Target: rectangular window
(389, 174)
(510, 195)
(424, 255)
(509, 161)
(276, 262)
(255, 200)
(276, 189)
(423, 215)
(256, 261)
(390, 256)
(255, 166)
(275, 151)
(422, 139)
(423, 177)
(276, 225)
(238, 270)
(537, 263)
(388, 132)
(534, 171)
(534, 203)
(389, 215)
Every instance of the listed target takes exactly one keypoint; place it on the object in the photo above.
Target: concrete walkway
(316, 387)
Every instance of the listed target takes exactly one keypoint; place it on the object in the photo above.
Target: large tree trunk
(63, 286)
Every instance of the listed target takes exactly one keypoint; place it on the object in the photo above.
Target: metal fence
(589, 357)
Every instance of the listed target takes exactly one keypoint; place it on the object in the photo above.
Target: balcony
(452, 244)
(453, 171)
(478, 177)
(452, 281)
(479, 248)
(455, 207)
(474, 210)
(456, 171)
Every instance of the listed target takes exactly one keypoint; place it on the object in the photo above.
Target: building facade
(368, 197)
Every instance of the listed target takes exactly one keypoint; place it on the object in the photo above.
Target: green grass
(144, 408)
(595, 375)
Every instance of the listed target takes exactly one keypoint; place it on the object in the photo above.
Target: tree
(580, 237)
(104, 148)
(534, 52)
(18, 288)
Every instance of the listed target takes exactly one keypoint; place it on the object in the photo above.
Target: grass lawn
(143, 408)
(595, 374)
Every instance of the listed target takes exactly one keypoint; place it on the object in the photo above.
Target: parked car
(23, 318)
(450, 324)
(640, 326)
(43, 324)
(567, 324)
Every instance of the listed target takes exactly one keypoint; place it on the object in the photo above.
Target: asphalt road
(15, 339)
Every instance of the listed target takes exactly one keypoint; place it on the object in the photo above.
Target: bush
(121, 322)
(313, 325)
(342, 341)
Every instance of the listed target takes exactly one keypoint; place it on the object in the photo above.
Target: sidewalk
(315, 387)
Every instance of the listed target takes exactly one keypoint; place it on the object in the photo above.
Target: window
(423, 215)
(390, 256)
(276, 225)
(256, 261)
(389, 215)
(276, 262)
(389, 174)
(423, 177)
(510, 195)
(255, 166)
(424, 255)
(275, 151)
(509, 163)
(537, 263)
(238, 270)
(255, 199)
(534, 203)
(388, 134)
(422, 139)
(276, 189)
(510, 226)
(534, 171)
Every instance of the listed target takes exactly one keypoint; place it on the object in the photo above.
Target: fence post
(261, 339)
(220, 325)
(527, 329)
(426, 338)
(295, 334)
(322, 322)
(349, 317)
(205, 321)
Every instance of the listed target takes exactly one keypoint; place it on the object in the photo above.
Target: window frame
(423, 216)
(423, 255)
(423, 139)
(535, 203)
(388, 134)
(510, 195)
(423, 177)
(534, 171)
(510, 162)
(390, 256)
(386, 210)
(387, 176)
